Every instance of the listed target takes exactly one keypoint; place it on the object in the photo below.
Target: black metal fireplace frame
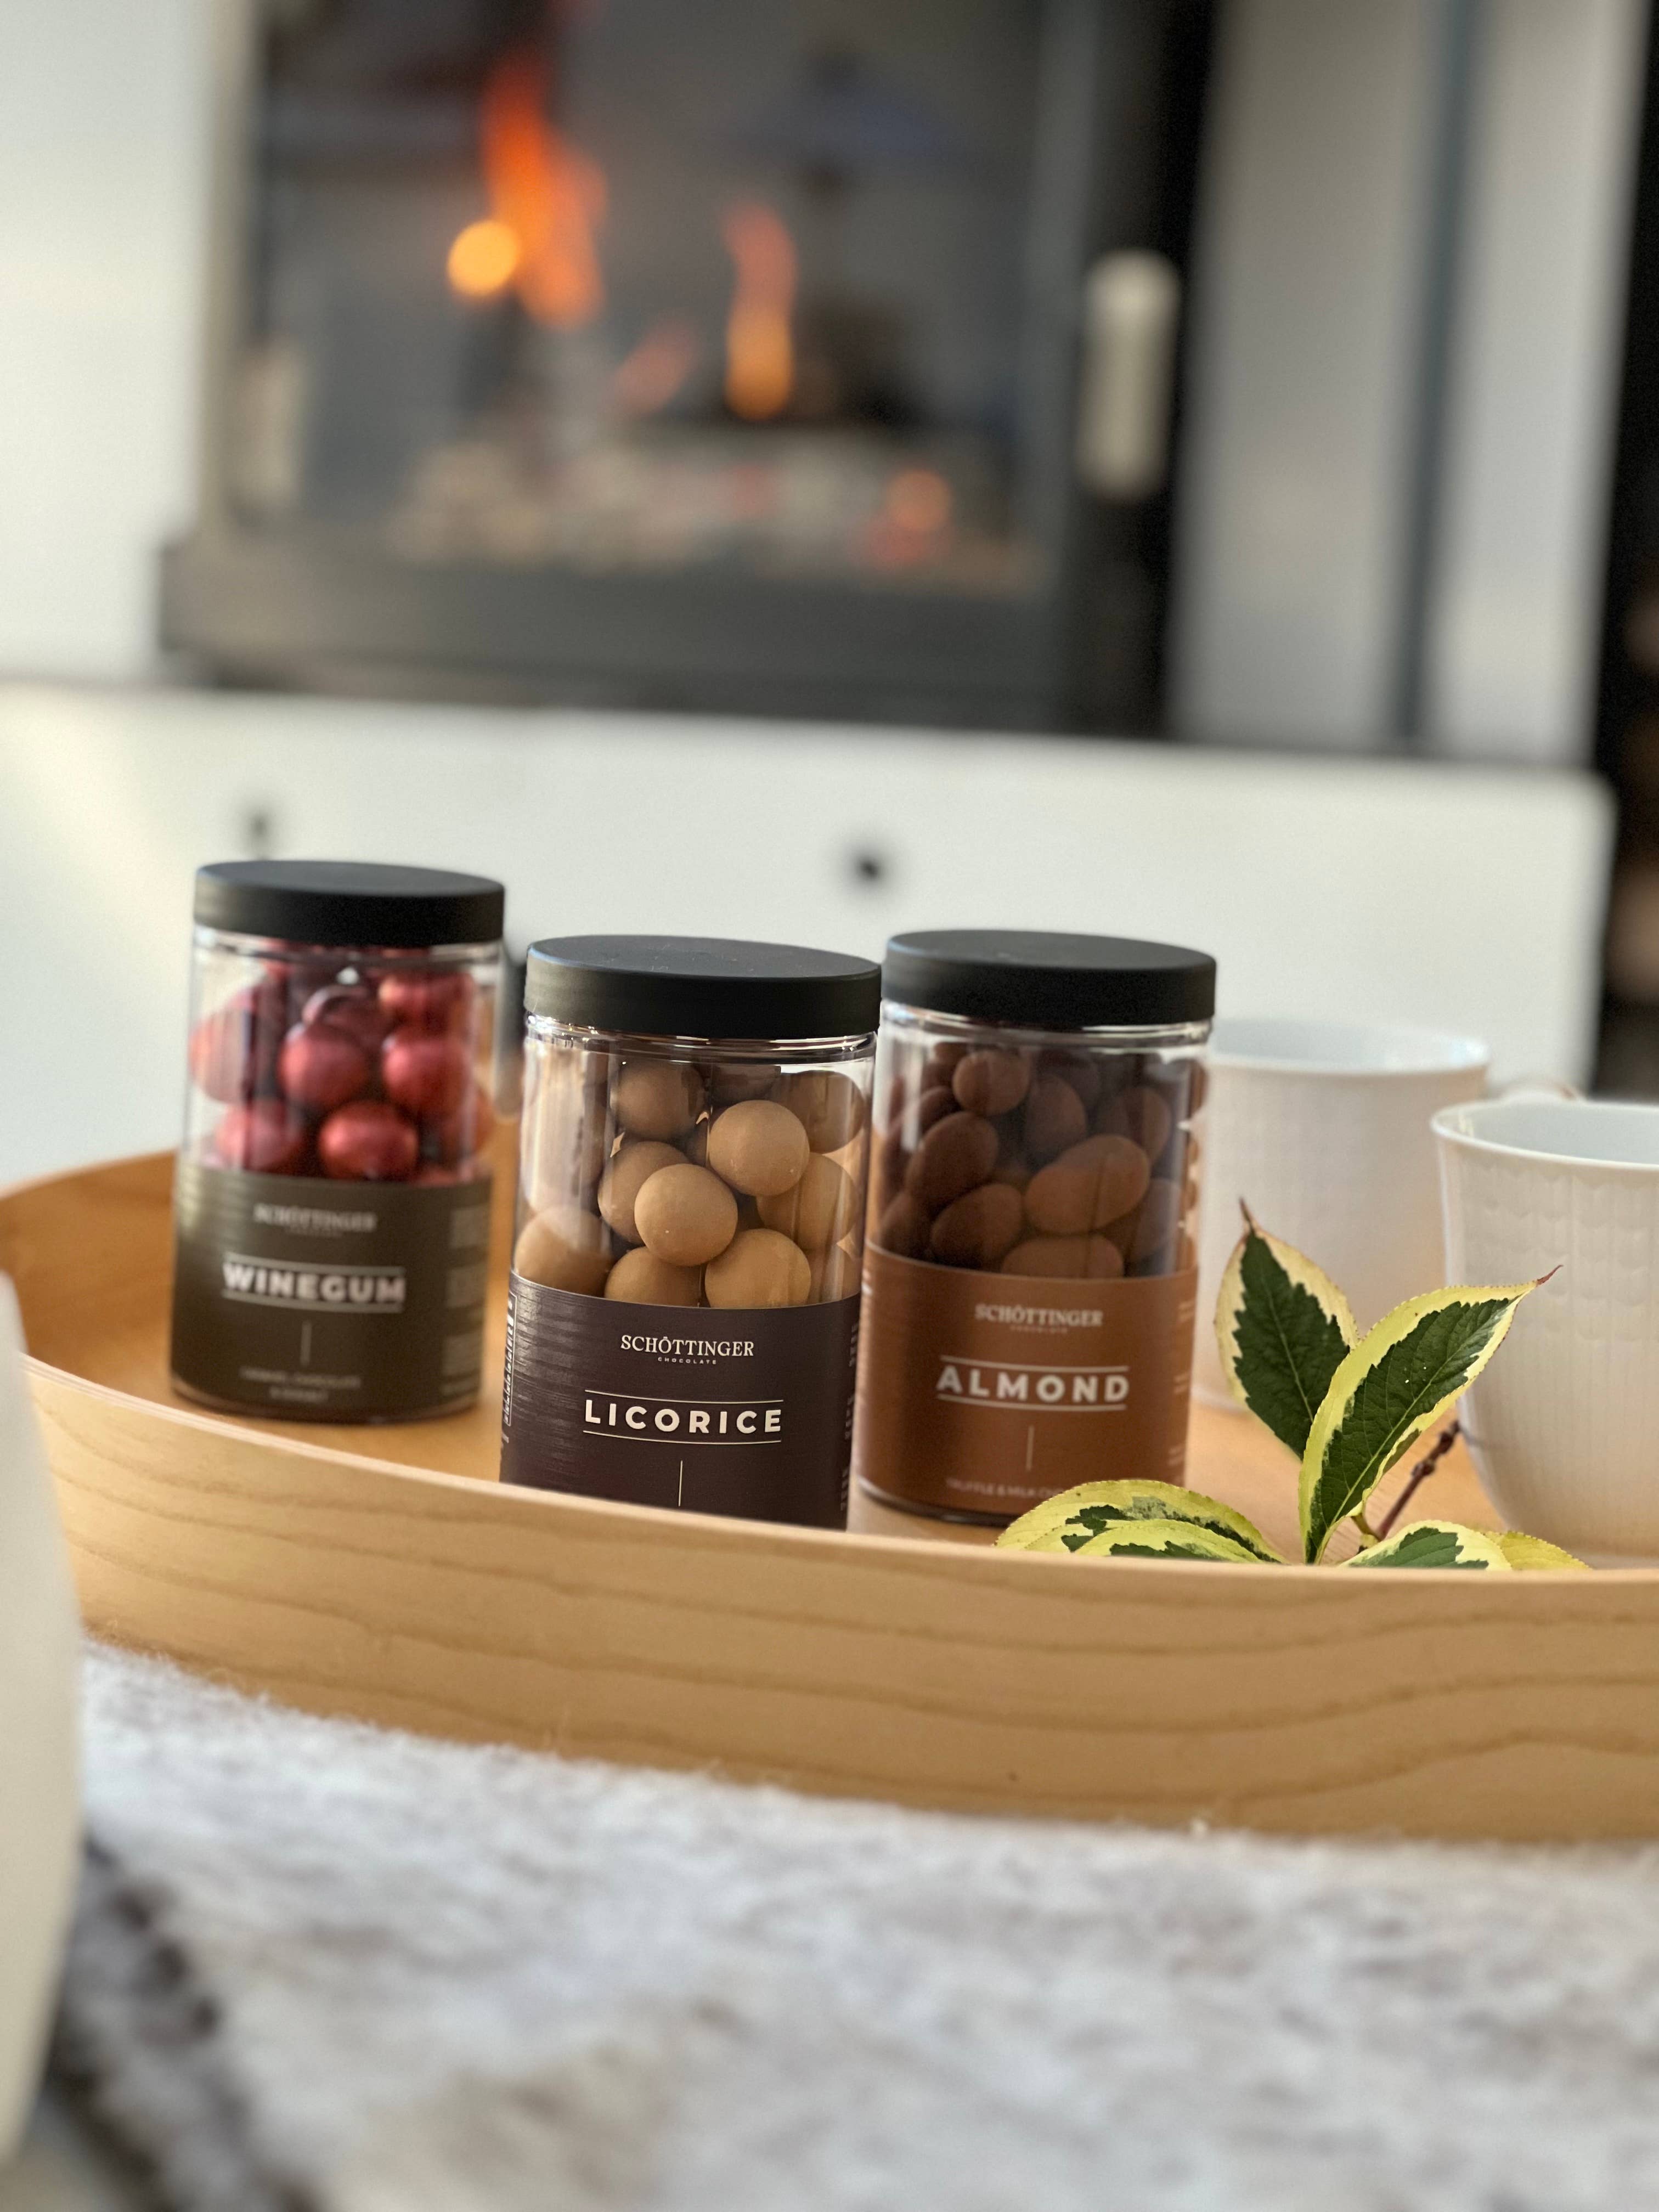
(296, 604)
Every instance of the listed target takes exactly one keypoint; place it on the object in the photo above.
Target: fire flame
(546, 199)
(646, 379)
(484, 259)
(760, 352)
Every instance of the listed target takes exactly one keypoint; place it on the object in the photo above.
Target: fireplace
(780, 355)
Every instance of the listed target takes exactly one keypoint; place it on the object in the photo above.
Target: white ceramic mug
(1563, 1425)
(1322, 1129)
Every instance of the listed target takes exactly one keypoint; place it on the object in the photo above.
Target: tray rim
(828, 1542)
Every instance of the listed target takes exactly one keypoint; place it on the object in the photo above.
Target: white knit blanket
(449, 1979)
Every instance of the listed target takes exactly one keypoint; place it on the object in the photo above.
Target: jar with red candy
(331, 1201)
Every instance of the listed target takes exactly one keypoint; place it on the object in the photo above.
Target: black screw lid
(700, 986)
(348, 902)
(1047, 980)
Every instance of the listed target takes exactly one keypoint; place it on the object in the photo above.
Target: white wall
(1462, 899)
(103, 197)
(1316, 212)
(1515, 629)
(1303, 359)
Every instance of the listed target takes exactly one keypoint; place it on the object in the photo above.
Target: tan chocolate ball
(829, 1106)
(990, 1082)
(566, 1248)
(903, 1227)
(657, 1097)
(887, 1173)
(818, 1211)
(944, 1059)
(976, 1229)
(759, 1267)
(956, 1154)
(760, 1147)
(627, 1175)
(685, 1215)
(1054, 1119)
(730, 1080)
(1141, 1113)
(834, 1274)
(1150, 1232)
(1090, 1185)
(1078, 1069)
(646, 1281)
(921, 1112)
(1094, 1258)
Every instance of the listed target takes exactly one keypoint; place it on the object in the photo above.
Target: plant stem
(1419, 1474)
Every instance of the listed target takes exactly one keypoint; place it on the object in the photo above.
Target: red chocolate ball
(425, 1072)
(355, 1008)
(451, 1137)
(233, 1051)
(266, 1136)
(368, 1141)
(321, 1068)
(428, 997)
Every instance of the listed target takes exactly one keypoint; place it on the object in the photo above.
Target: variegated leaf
(1283, 1328)
(1150, 1540)
(1397, 1381)
(1076, 1516)
(1532, 1555)
(1434, 1544)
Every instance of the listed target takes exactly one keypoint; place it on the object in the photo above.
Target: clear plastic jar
(1029, 1280)
(695, 1150)
(332, 1195)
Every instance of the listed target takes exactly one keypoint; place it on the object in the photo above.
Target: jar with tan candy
(683, 1317)
(1030, 1271)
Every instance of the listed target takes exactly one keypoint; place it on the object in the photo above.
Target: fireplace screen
(644, 285)
(653, 348)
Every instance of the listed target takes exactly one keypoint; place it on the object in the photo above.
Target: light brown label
(984, 1394)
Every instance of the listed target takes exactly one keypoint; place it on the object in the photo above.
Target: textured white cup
(1563, 1425)
(1322, 1129)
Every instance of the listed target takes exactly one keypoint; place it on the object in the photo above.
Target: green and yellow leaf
(1150, 1540)
(1434, 1544)
(1076, 1517)
(1397, 1381)
(1532, 1555)
(1283, 1328)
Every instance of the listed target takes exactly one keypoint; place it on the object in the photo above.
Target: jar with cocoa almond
(682, 1311)
(332, 1198)
(1030, 1270)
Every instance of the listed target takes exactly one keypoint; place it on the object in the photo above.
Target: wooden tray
(383, 1572)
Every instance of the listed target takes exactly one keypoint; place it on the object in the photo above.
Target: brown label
(328, 1301)
(983, 1394)
(738, 1413)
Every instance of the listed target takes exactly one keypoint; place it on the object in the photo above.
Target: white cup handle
(1536, 1086)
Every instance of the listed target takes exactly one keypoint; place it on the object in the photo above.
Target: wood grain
(913, 1663)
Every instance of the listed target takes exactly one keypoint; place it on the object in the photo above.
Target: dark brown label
(984, 1394)
(737, 1413)
(328, 1301)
